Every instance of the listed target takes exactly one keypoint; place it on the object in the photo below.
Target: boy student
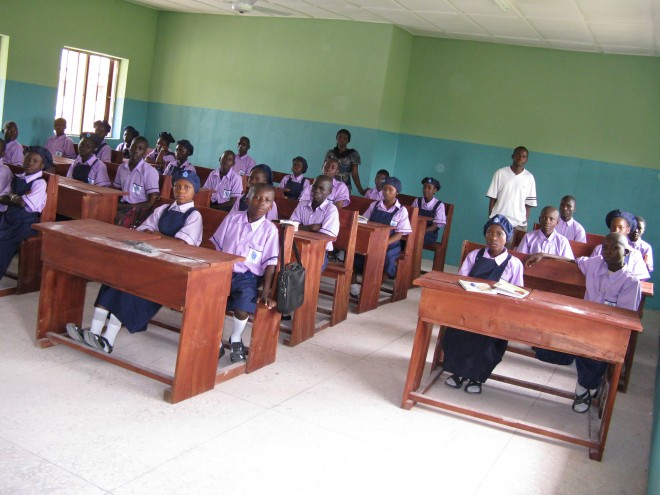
(389, 212)
(432, 208)
(641, 245)
(180, 221)
(623, 222)
(13, 149)
(244, 162)
(60, 144)
(87, 167)
(546, 239)
(183, 150)
(225, 183)
(130, 133)
(340, 194)
(375, 193)
(251, 235)
(512, 191)
(567, 225)
(102, 129)
(608, 281)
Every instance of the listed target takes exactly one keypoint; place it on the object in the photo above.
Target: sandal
(582, 403)
(454, 381)
(98, 341)
(473, 387)
(75, 332)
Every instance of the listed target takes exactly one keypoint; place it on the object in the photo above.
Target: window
(87, 89)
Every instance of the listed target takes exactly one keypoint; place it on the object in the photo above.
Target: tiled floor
(325, 418)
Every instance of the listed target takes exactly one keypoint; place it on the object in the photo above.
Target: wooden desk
(71, 255)
(79, 200)
(62, 165)
(371, 242)
(577, 327)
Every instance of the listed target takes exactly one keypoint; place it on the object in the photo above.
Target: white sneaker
(355, 291)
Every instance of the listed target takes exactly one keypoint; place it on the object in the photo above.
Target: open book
(482, 287)
(507, 289)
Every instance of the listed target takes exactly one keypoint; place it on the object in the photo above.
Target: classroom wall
(38, 30)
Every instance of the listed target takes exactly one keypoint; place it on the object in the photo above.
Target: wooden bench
(440, 248)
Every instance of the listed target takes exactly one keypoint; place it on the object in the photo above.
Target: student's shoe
(87, 339)
(238, 352)
(355, 291)
(286, 317)
(75, 332)
(98, 341)
(454, 381)
(222, 351)
(473, 387)
(582, 403)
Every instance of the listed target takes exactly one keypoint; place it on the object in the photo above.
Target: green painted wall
(584, 105)
(395, 80)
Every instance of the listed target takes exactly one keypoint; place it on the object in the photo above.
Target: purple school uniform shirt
(271, 215)
(646, 250)
(326, 214)
(139, 183)
(400, 220)
(13, 153)
(572, 230)
(301, 179)
(339, 193)
(60, 146)
(187, 166)
(224, 188)
(98, 174)
(440, 217)
(191, 232)
(257, 242)
(621, 288)
(166, 158)
(243, 165)
(5, 182)
(513, 273)
(35, 198)
(536, 242)
(374, 194)
(634, 262)
(105, 153)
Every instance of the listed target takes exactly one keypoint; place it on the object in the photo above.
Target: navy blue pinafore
(295, 189)
(393, 249)
(133, 311)
(81, 172)
(429, 237)
(471, 355)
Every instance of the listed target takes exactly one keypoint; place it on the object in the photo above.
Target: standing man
(512, 191)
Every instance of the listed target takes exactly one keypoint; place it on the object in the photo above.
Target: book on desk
(502, 287)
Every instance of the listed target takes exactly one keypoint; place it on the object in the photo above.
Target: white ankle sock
(579, 389)
(355, 288)
(114, 325)
(239, 326)
(98, 320)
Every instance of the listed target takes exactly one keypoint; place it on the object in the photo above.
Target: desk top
(77, 184)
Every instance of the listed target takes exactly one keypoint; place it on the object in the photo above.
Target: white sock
(114, 325)
(98, 320)
(579, 389)
(239, 326)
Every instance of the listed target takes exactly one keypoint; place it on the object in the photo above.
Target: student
(512, 191)
(180, 221)
(295, 184)
(389, 212)
(608, 281)
(641, 245)
(13, 149)
(261, 174)
(567, 225)
(375, 193)
(319, 214)
(249, 234)
(161, 154)
(102, 128)
(225, 183)
(183, 150)
(140, 181)
(87, 167)
(5, 177)
(546, 239)
(432, 208)
(60, 144)
(624, 223)
(130, 133)
(348, 161)
(470, 356)
(244, 162)
(340, 194)
(25, 201)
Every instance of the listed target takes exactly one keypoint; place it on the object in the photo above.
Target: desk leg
(418, 251)
(417, 361)
(60, 302)
(597, 453)
(304, 318)
(372, 276)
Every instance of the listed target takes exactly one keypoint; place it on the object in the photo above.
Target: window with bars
(87, 89)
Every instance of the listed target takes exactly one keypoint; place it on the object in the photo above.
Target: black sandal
(580, 401)
(454, 381)
(475, 385)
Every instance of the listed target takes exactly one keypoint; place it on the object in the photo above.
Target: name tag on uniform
(137, 188)
(253, 256)
(226, 194)
(90, 181)
(610, 303)
(393, 223)
(241, 172)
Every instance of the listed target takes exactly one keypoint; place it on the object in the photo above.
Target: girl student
(183, 150)
(130, 133)
(389, 212)
(226, 184)
(6, 176)
(102, 128)
(161, 154)
(260, 174)
(87, 167)
(470, 356)
(375, 193)
(25, 200)
(114, 308)
(431, 208)
(608, 281)
(13, 149)
(295, 184)
(640, 244)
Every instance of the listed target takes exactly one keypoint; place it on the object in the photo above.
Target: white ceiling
(630, 27)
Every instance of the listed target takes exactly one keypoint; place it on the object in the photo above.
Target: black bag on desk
(290, 283)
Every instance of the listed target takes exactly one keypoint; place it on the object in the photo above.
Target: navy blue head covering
(431, 180)
(167, 137)
(44, 153)
(92, 136)
(267, 169)
(502, 222)
(191, 177)
(394, 182)
(132, 130)
(628, 217)
(304, 162)
(187, 145)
